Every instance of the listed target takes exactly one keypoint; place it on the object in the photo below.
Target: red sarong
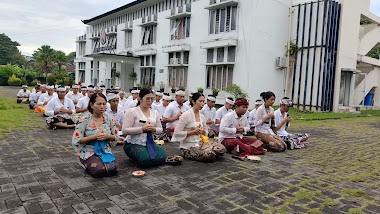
(246, 146)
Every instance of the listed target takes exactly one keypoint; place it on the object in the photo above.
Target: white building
(214, 43)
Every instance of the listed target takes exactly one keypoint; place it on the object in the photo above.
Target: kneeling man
(232, 128)
(60, 110)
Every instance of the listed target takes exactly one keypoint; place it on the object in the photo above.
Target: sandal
(174, 160)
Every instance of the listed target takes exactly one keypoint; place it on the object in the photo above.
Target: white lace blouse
(187, 123)
(133, 122)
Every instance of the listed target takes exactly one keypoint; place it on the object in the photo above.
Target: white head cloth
(230, 101)
(180, 92)
(111, 96)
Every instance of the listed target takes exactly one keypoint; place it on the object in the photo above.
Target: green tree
(9, 52)
(374, 53)
(60, 59)
(70, 58)
(44, 57)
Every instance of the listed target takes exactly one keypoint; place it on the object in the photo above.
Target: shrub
(6, 71)
(14, 81)
(34, 82)
(236, 91)
(51, 79)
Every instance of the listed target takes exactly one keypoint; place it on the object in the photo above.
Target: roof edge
(86, 21)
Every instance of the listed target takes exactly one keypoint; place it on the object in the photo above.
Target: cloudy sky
(58, 22)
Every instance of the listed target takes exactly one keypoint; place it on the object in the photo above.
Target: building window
(219, 76)
(149, 60)
(82, 71)
(148, 35)
(223, 20)
(180, 28)
(92, 70)
(128, 39)
(179, 58)
(178, 76)
(147, 76)
(82, 49)
(221, 55)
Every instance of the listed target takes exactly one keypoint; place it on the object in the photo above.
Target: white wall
(262, 34)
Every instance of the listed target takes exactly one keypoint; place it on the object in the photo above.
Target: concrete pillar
(96, 73)
(376, 98)
(348, 41)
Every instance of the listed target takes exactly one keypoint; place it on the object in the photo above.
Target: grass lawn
(308, 115)
(16, 116)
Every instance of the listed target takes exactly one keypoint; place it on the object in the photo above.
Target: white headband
(166, 97)
(259, 102)
(75, 86)
(24, 86)
(159, 94)
(112, 96)
(190, 95)
(49, 87)
(135, 91)
(211, 98)
(286, 102)
(61, 89)
(180, 92)
(90, 89)
(230, 101)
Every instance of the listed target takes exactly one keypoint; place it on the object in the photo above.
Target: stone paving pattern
(337, 173)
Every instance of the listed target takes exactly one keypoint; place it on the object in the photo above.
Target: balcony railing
(128, 26)
(81, 38)
(217, 4)
(180, 12)
(111, 30)
(95, 35)
(149, 20)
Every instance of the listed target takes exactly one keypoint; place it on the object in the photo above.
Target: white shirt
(131, 104)
(45, 97)
(278, 118)
(173, 109)
(187, 104)
(161, 110)
(74, 97)
(221, 112)
(128, 104)
(118, 116)
(156, 104)
(23, 93)
(209, 113)
(261, 127)
(228, 125)
(83, 103)
(252, 117)
(55, 104)
(122, 101)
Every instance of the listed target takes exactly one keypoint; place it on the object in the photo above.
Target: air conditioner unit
(282, 62)
(174, 61)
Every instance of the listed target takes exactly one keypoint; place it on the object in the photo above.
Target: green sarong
(140, 156)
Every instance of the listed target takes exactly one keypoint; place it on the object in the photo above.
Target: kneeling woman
(191, 125)
(264, 122)
(93, 137)
(139, 125)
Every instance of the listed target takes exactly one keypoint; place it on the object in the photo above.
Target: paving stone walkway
(337, 173)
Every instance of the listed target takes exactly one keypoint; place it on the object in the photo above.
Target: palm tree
(44, 58)
(60, 59)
